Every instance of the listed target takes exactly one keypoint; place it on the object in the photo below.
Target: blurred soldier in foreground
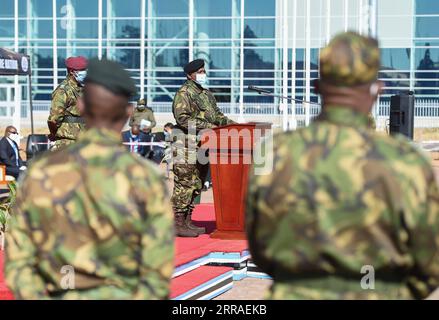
(346, 213)
(143, 116)
(65, 122)
(195, 106)
(93, 221)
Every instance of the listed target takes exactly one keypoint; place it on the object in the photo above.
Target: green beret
(193, 66)
(112, 76)
(349, 60)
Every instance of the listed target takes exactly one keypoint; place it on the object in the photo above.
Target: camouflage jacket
(146, 114)
(195, 104)
(64, 103)
(341, 198)
(98, 209)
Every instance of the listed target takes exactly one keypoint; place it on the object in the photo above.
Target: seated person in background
(166, 134)
(134, 135)
(9, 152)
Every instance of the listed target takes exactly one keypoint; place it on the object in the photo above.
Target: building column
(307, 63)
(55, 45)
(241, 65)
(285, 64)
(142, 47)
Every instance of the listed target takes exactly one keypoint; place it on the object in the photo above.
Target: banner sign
(12, 63)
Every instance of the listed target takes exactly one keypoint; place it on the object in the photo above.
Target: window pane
(170, 8)
(259, 28)
(427, 7)
(78, 29)
(213, 28)
(427, 27)
(260, 8)
(78, 8)
(121, 8)
(7, 9)
(171, 29)
(205, 8)
(42, 8)
(395, 58)
(7, 28)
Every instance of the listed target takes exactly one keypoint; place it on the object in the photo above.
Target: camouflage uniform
(192, 106)
(342, 197)
(100, 209)
(139, 115)
(64, 112)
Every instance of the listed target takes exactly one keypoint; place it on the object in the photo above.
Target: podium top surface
(261, 125)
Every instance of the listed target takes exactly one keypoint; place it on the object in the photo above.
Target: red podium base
(228, 235)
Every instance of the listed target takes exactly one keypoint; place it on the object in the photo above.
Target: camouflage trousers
(188, 182)
(61, 143)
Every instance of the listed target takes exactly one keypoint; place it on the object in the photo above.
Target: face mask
(80, 76)
(201, 78)
(141, 107)
(15, 137)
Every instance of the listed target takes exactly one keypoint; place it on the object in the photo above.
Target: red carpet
(5, 294)
(188, 249)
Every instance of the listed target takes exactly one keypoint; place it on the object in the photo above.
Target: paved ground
(247, 289)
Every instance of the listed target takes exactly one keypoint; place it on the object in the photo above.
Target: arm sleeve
(21, 255)
(424, 242)
(4, 158)
(219, 118)
(157, 242)
(57, 107)
(183, 113)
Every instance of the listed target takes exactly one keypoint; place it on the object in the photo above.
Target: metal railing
(426, 110)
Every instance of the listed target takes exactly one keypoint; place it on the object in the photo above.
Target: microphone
(258, 90)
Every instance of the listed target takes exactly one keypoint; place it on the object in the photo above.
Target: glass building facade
(274, 44)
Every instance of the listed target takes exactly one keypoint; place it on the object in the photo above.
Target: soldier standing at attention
(346, 213)
(93, 221)
(65, 122)
(143, 116)
(194, 106)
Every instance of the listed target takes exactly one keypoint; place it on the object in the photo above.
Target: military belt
(73, 119)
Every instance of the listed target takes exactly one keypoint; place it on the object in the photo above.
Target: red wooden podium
(230, 156)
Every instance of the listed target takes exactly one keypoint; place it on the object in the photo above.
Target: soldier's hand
(51, 137)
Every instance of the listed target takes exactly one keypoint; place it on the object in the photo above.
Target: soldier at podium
(347, 213)
(193, 105)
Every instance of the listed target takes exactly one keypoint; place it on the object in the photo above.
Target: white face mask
(80, 76)
(201, 78)
(15, 137)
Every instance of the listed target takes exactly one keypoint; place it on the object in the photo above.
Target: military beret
(76, 63)
(193, 66)
(349, 60)
(112, 76)
(141, 102)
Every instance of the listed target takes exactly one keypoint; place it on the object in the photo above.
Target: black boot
(191, 226)
(181, 229)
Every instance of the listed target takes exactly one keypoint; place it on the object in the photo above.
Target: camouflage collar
(73, 83)
(343, 116)
(193, 84)
(101, 136)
